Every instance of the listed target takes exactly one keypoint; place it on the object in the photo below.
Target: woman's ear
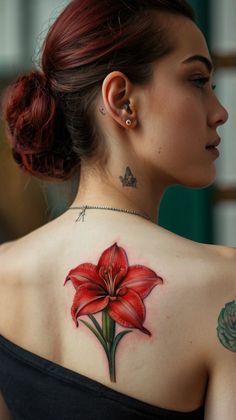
(117, 99)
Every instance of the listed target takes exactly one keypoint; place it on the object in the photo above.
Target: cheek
(178, 122)
(184, 111)
(175, 137)
(175, 129)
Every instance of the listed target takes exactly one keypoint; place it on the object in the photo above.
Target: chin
(199, 184)
(202, 179)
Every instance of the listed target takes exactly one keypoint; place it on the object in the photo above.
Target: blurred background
(204, 215)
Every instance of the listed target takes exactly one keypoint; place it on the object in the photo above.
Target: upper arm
(220, 400)
(4, 411)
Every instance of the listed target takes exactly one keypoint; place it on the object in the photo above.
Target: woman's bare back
(170, 368)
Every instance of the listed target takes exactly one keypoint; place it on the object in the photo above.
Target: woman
(112, 316)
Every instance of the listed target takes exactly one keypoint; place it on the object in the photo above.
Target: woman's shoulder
(51, 238)
(184, 263)
(226, 252)
(7, 259)
(221, 261)
(22, 254)
(155, 245)
(223, 257)
(12, 260)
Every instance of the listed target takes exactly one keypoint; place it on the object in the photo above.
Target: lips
(212, 147)
(213, 144)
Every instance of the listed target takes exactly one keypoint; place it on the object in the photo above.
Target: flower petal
(88, 299)
(116, 258)
(141, 279)
(128, 310)
(85, 273)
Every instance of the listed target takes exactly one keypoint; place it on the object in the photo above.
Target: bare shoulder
(10, 254)
(21, 255)
(220, 265)
(229, 253)
(219, 330)
(225, 271)
(5, 259)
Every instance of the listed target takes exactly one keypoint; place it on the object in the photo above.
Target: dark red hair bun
(34, 127)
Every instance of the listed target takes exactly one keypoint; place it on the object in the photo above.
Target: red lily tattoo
(118, 291)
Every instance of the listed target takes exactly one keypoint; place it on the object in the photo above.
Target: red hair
(49, 114)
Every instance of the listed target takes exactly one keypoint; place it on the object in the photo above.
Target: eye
(201, 82)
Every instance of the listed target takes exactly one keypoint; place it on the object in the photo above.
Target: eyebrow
(202, 59)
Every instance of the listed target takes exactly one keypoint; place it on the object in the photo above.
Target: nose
(218, 115)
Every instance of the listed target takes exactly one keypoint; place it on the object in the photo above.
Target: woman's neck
(125, 190)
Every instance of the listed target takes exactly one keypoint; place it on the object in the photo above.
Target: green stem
(108, 328)
(112, 364)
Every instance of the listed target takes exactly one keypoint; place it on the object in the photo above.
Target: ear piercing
(102, 110)
(126, 106)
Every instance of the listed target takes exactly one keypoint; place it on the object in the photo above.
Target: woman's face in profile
(180, 112)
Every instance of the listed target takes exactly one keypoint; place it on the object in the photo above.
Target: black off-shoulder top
(35, 388)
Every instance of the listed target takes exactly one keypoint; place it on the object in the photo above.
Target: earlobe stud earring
(128, 122)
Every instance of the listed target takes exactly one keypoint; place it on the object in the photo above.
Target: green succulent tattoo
(226, 329)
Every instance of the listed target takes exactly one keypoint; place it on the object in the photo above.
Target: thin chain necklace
(86, 207)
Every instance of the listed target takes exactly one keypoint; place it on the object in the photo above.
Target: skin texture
(183, 362)
(166, 142)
